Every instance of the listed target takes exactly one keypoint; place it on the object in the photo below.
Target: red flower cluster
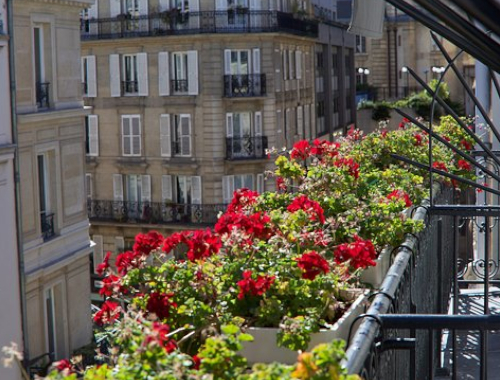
(312, 264)
(440, 166)
(162, 330)
(160, 304)
(400, 195)
(312, 208)
(360, 254)
(249, 286)
(464, 165)
(64, 365)
(111, 284)
(126, 261)
(418, 139)
(322, 147)
(301, 150)
(242, 198)
(467, 145)
(145, 243)
(404, 123)
(350, 164)
(110, 311)
(104, 266)
(256, 225)
(201, 244)
(280, 184)
(354, 133)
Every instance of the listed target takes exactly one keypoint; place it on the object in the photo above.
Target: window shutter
(260, 183)
(229, 125)
(300, 122)
(291, 74)
(194, 7)
(227, 62)
(298, 64)
(285, 64)
(143, 7)
(307, 122)
(119, 244)
(114, 75)
(84, 69)
(146, 188)
(256, 61)
(114, 8)
(126, 135)
(258, 123)
(88, 185)
(142, 73)
(91, 77)
(247, 181)
(227, 188)
(220, 5)
(98, 250)
(196, 190)
(136, 136)
(93, 11)
(93, 135)
(185, 121)
(277, 71)
(163, 73)
(192, 72)
(165, 139)
(166, 188)
(117, 187)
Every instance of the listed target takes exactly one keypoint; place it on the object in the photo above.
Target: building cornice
(7, 150)
(52, 115)
(71, 3)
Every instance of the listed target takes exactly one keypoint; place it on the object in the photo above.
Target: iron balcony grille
(42, 94)
(178, 23)
(179, 86)
(130, 87)
(246, 148)
(248, 85)
(153, 212)
(47, 223)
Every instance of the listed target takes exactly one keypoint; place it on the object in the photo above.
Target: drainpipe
(396, 74)
(22, 279)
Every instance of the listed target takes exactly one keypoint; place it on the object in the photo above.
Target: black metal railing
(175, 23)
(130, 87)
(42, 94)
(236, 86)
(244, 148)
(179, 86)
(153, 212)
(47, 223)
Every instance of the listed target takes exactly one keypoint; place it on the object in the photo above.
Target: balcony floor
(471, 302)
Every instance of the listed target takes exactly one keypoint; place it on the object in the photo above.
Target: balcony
(179, 86)
(130, 87)
(153, 212)
(42, 94)
(169, 23)
(243, 86)
(246, 148)
(47, 223)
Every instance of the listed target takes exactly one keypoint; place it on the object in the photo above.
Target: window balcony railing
(47, 223)
(42, 94)
(248, 85)
(130, 87)
(179, 86)
(153, 212)
(246, 148)
(170, 23)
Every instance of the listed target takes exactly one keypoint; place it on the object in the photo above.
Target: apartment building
(10, 291)
(186, 97)
(50, 120)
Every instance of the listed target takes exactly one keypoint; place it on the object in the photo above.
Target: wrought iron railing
(42, 94)
(168, 23)
(179, 86)
(245, 85)
(244, 148)
(153, 212)
(130, 87)
(47, 223)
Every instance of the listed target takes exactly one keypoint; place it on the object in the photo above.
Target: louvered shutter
(164, 5)
(260, 183)
(196, 190)
(220, 5)
(298, 64)
(256, 61)
(91, 77)
(185, 134)
(227, 188)
(136, 136)
(93, 135)
(285, 64)
(192, 72)
(300, 122)
(126, 135)
(258, 123)
(166, 189)
(291, 60)
(277, 71)
(117, 187)
(146, 188)
(163, 74)
(227, 62)
(114, 75)
(88, 185)
(143, 7)
(165, 136)
(194, 7)
(114, 8)
(142, 73)
(307, 122)
(93, 12)
(229, 125)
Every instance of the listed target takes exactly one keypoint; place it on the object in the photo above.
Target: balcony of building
(167, 23)
(244, 86)
(246, 148)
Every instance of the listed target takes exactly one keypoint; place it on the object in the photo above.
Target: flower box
(263, 348)
(375, 275)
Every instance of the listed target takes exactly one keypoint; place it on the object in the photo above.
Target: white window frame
(92, 135)
(228, 185)
(179, 74)
(178, 137)
(131, 136)
(134, 73)
(62, 320)
(89, 76)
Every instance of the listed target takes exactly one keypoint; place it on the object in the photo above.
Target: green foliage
(381, 111)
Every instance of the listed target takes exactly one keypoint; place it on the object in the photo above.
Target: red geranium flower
(350, 164)
(256, 225)
(160, 304)
(418, 139)
(312, 208)
(404, 123)
(126, 261)
(249, 286)
(467, 145)
(301, 150)
(400, 195)
(201, 244)
(196, 362)
(354, 133)
(464, 165)
(440, 166)
(104, 266)
(280, 184)
(145, 243)
(171, 242)
(312, 264)
(110, 311)
(63, 365)
(241, 199)
(162, 330)
(360, 253)
(111, 284)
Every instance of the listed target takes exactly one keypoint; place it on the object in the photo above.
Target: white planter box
(263, 349)
(375, 275)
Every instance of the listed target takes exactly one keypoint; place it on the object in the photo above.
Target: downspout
(396, 73)
(389, 72)
(19, 224)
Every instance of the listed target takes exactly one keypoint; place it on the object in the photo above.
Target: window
(128, 74)
(130, 83)
(230, 183)
(175, 135)
(360, 44)
(88, 186)
(89, 76)
(244, 135)
(41, 45)
(137, 195)
(180, 194)
(92, 132)
(320, 117)
(55, 321)
(131, 135)
(131, 7)
(179, 72)
(44, 196)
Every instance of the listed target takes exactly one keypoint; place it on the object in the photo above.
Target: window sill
(131, 160)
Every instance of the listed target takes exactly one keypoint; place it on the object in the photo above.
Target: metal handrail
(245, 85)
(246, 147)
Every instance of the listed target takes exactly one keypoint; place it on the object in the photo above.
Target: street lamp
(363, 71)
(437, 69)
(404, 69)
